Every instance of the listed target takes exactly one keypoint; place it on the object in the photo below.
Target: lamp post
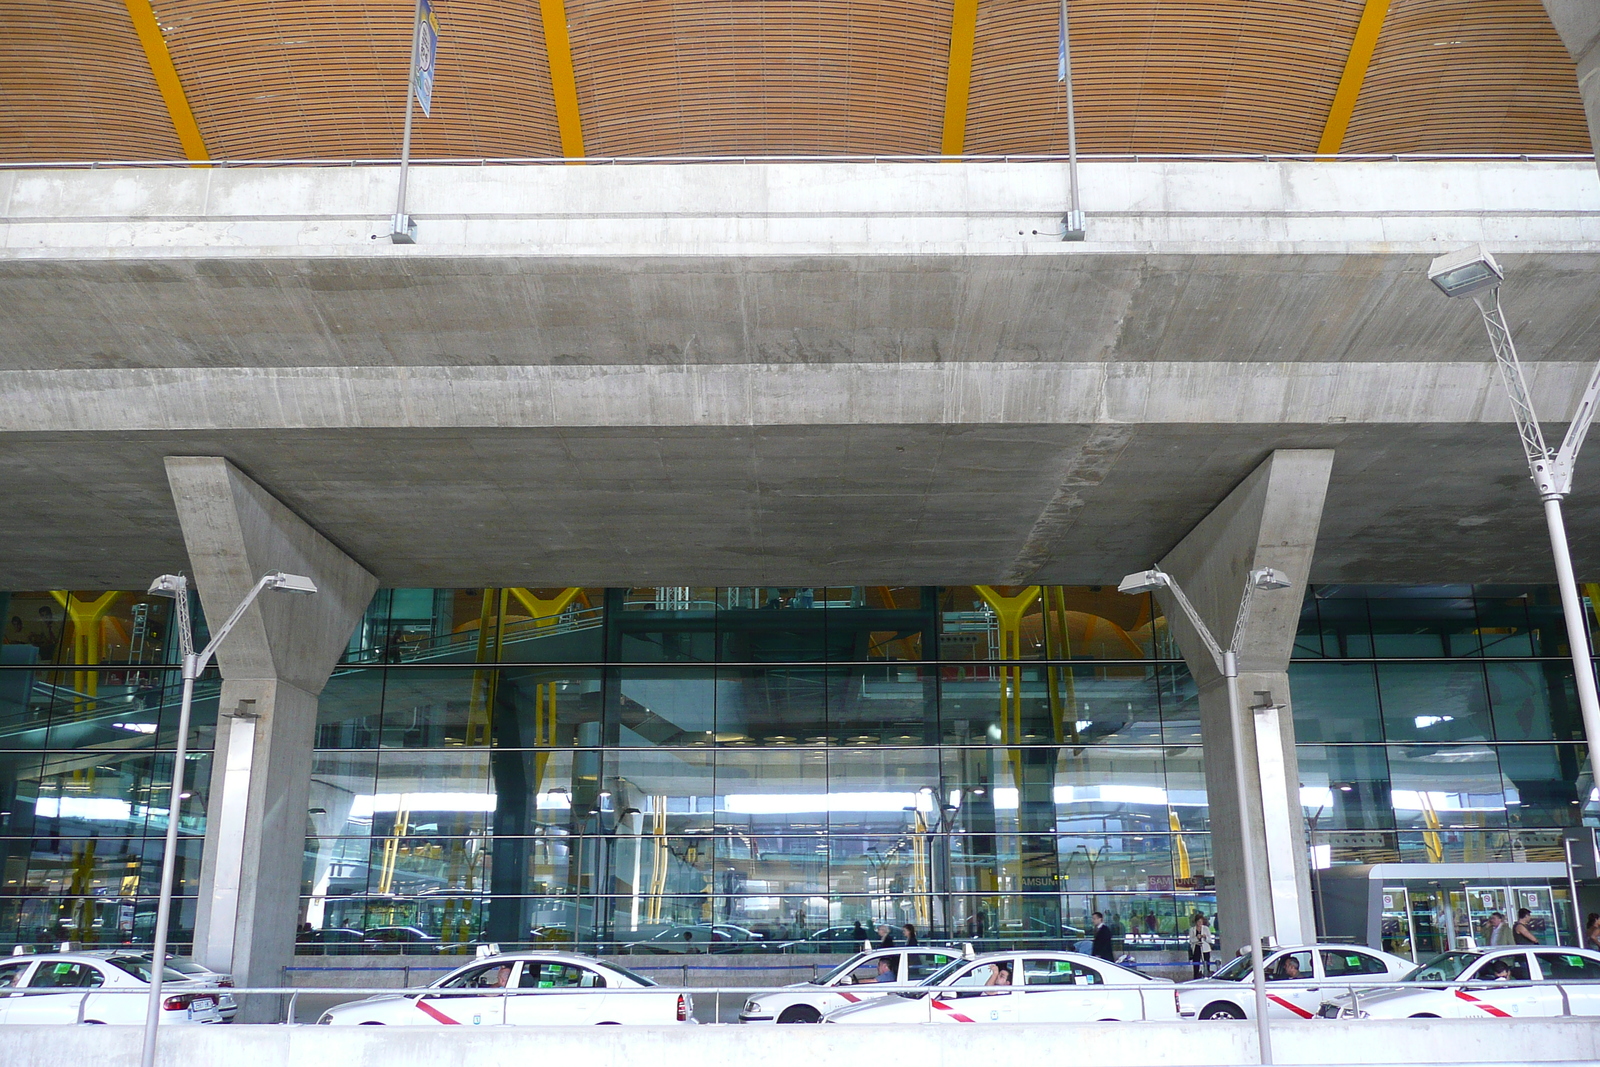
(1473, 272)
(176, 586)
(1227, 662)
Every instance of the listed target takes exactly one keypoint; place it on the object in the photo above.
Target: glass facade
(611, 767)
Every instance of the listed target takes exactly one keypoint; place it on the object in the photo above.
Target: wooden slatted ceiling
(1153, 76)
(75, 85)
(726, 77)
(1479, 76)
(326, 78)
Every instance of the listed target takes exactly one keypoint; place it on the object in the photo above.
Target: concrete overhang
(767, 373)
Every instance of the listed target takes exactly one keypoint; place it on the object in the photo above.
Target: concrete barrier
(1188, 1044)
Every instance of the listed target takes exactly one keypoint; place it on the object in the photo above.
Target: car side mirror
(848, 979)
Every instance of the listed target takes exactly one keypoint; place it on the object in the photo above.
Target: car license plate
(203, 1010)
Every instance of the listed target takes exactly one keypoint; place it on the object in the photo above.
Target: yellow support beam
(563, 83)
(166, 75)
(958, 82)
(1355, 72)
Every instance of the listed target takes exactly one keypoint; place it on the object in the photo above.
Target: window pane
(1414, 626)
(1335, 702)
(1434, 702)
(1455, 786)
(1535, 701)
(1345, 787)
(1542, 784)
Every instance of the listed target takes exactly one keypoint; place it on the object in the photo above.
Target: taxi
(1497, 983)
(522, 989)
(100, 987)
(1023, 987)
(1299, 981)
(849, 983)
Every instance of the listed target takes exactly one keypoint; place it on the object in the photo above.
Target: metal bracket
(403, 230)
(245, 710)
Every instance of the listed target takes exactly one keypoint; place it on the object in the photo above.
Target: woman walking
(1200, 944)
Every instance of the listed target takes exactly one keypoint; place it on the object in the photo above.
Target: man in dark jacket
(1102, 938)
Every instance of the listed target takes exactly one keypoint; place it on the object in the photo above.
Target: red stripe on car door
(428, 1009)
(1476, 1003)
(1297, 1009)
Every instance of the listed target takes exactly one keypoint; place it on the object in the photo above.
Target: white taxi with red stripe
(1023, 987)
(523, 989)
(1503, 983)
(852, 982)
(1299, 981)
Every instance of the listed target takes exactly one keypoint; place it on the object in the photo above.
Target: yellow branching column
(1009, 611)
(1059, 680)
(486, 683)
(85, 618)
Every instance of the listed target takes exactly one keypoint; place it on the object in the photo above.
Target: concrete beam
(1270, 520)
(274, 663)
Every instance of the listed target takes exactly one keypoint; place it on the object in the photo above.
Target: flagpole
(402, 231)
(1073, 224)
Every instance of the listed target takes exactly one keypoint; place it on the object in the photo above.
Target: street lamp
(176, 586)
(1473, 272)
(1227, 662)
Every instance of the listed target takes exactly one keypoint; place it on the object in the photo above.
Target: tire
(369, 1022)
(800, 1013)
(1424, 1015)
(609, 1022)
(1222, 1011)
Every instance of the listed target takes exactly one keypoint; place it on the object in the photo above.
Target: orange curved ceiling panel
(326, 78)
(75, 85)
(1148, 76)
(727, 77)
(1484, 76)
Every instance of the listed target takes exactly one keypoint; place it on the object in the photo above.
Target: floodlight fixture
(1268, 578)
(171, 585)
(290, 583)
(1468, 271)
(1144, 581)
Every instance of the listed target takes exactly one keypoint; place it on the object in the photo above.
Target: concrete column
(274, 663)
(1269, 520)
(1578, 23)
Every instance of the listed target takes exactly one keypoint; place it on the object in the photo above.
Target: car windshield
(1442, 968)
(139, 967)
(936, 978)
(641, 979)
(843, 969)
(1235, 970)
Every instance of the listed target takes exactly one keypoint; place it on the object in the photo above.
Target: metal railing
(292, 994)
(1029, 157)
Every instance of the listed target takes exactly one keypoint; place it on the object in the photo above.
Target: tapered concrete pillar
(1578, 23)
(1270, 520)
(274, 663)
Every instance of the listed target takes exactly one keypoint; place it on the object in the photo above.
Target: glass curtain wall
(672, 769)
(679, 768)
(88, 718)
(1438, 724)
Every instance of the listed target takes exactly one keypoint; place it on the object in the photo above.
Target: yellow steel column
(1355, 72)
(85, 617)
(166, 75)
(958, 79)
(563, 83)
(1009, 610)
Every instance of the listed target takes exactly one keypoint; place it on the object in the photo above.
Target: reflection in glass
(1335, 702)
(1434, 702)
